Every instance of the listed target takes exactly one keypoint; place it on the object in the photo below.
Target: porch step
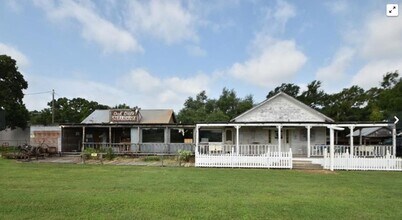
(305, 165)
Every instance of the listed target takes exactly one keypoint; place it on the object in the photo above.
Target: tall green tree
(12, 84)
(203, 109)
(314, 96)
(347, 105)
(288, 88)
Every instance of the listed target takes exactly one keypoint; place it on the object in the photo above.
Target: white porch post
(237, 139)
(351, 140)
(197, 137)
(394, 140)
(279, 138)
(360, 137)
(83, 139)
(331, 148)
(308, 141)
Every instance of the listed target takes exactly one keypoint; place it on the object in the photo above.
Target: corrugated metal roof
(372, 132)
(149, 116)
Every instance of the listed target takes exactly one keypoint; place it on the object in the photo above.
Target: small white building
(283, 124)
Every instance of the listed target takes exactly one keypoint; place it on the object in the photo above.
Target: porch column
(394, 140)
(110, 136)
(279, 138)
(331, 148)
(308, 141)
(351, 140)
(83, 138)
(360, 137)
(196, 139)
(237, 139)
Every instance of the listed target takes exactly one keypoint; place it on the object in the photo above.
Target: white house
(280, 124)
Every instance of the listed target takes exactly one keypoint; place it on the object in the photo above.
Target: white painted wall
(281, 109)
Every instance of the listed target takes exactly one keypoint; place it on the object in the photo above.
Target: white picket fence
(359, 150)
(266, 160)
(345, 161)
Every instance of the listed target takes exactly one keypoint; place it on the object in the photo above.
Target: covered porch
(129, 139)
(296, 140)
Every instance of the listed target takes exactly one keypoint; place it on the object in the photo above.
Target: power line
(37, 93)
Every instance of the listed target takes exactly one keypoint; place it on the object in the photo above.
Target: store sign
(128, 116)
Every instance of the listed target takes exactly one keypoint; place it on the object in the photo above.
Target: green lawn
(68, 191)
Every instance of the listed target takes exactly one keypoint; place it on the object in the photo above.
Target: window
(153, 135)
(229, 135)
(181, 135)
(210, 136)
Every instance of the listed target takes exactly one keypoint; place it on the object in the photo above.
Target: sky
(155, 54)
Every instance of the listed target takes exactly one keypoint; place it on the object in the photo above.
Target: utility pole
(52, 106)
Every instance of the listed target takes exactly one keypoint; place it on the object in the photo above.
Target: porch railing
(358, 150)
(144, 148)
(244, 149)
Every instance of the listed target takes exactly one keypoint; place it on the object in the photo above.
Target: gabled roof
(282, 114)
(149, 116)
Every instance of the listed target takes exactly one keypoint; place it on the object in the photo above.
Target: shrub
(110, 155)
(184, 155)
(151, 158)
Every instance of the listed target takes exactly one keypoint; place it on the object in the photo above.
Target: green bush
(184, 155)
(151, 158)
(110, 155)
(88, 151)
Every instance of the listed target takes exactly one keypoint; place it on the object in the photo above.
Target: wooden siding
(281, 109)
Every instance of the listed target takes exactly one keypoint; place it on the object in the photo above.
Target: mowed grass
(69, 191)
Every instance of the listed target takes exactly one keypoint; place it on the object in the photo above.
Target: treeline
(351, 104)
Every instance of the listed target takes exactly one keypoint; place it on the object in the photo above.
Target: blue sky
(154, 54)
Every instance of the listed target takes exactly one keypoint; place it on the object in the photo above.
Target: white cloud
(371, 74)
(277, 18)
(94, 28)
(22, 60)
(337, 7)
(335, 71)
(381, 37)
(380, 46)
(157, 92)
(166, 20)
(196, 51)
(275, 62)
(71, 88)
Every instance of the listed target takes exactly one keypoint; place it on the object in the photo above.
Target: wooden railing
(144, 148)
(358, 150)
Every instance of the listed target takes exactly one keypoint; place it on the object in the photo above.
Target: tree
(313, 96)
(12, 84)
(288, 88)
(347, 105)
(121, 106)
(66, 111)
(203, 109)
